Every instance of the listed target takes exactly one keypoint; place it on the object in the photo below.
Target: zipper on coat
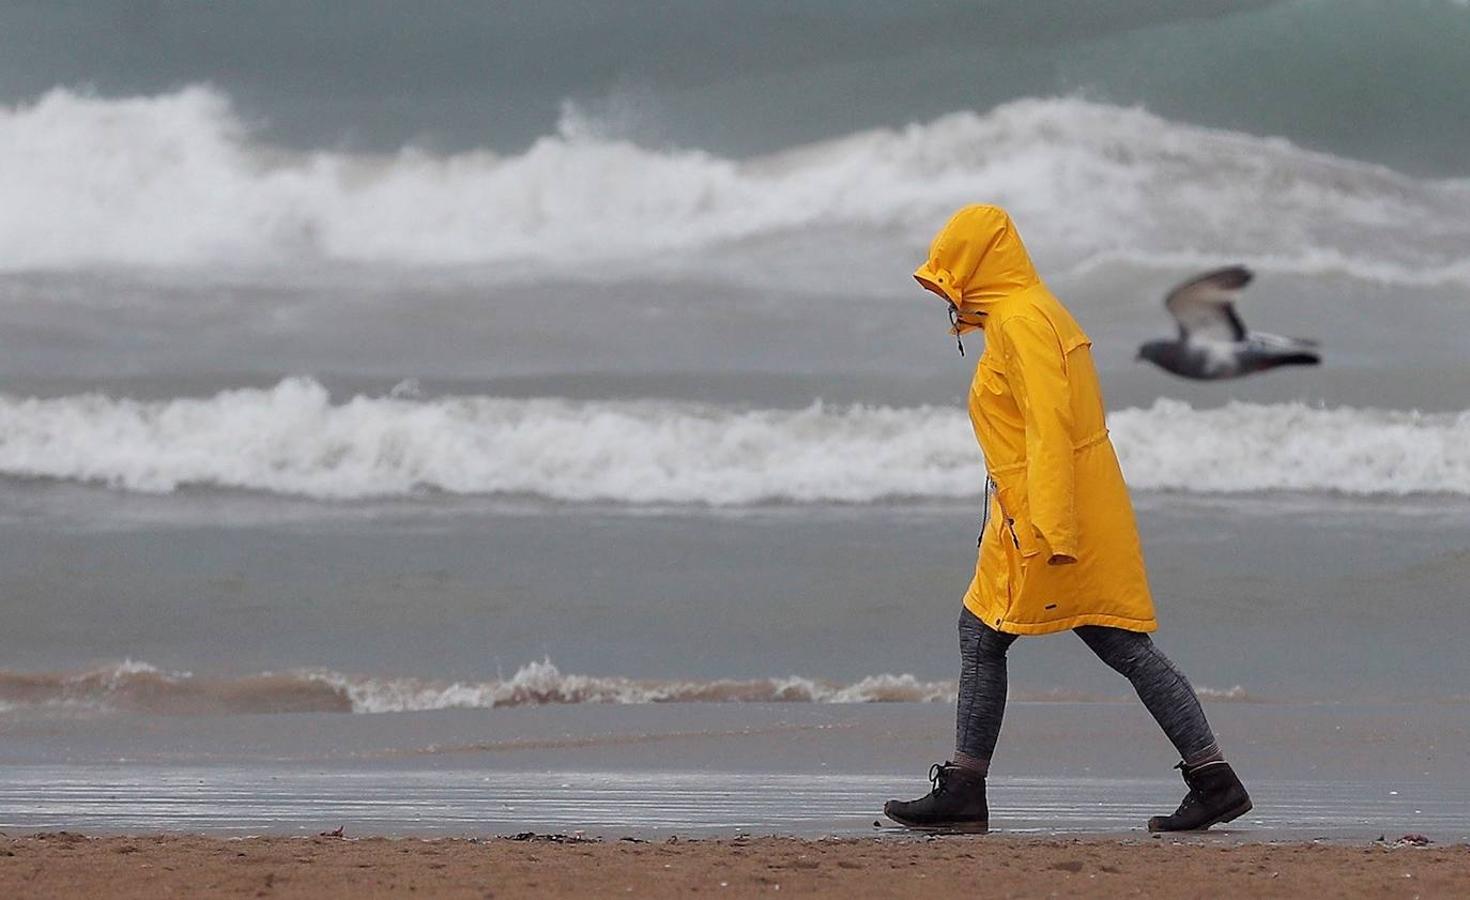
(984, 511)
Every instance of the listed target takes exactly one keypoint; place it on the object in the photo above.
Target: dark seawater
(219, 605)
(1359, 78)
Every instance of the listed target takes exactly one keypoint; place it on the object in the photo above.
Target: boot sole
(951, 828)
(1229, 815)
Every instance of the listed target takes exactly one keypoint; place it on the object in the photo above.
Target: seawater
(203, 604)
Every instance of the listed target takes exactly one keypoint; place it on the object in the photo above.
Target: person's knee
(980, 640)
(993, 644)
(1126, 662)
(1122, 651)
(969, 638)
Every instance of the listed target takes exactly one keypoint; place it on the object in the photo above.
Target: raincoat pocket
(1011, 491)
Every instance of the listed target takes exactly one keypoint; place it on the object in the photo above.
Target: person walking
(1058, 549)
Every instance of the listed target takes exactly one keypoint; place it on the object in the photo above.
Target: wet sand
(70, 865)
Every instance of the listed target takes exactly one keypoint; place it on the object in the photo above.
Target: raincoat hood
(977, 258)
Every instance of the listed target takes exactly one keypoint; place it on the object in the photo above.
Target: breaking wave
(139, 687)
(135, 687)
(178, 179)
(294, 440)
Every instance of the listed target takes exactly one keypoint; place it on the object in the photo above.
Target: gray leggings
(1161, 687)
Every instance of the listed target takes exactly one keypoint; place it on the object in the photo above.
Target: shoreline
(326, 866)
(716, 770)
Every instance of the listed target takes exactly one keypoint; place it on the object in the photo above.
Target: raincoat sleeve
(1037, 371)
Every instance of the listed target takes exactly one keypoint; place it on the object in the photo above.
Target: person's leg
(1215, 792)
(957, 801)
(982, 692)
(1164, 690)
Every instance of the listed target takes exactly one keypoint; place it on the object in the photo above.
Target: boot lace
(939, 776)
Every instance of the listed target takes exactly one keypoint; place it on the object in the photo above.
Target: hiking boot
(957, 802)
(1215, 795)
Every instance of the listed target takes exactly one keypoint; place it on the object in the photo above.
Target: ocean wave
(133, 687)
(294, 440)
(178, 179)
(136, 687)
(1247, 447)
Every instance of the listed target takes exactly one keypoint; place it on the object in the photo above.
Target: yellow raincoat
(1060, 548)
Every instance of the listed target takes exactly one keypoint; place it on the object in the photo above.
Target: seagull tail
(1295, 359)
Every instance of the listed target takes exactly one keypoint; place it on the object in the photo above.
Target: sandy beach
(71, 865)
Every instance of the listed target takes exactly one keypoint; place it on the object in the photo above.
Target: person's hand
(1061, 559)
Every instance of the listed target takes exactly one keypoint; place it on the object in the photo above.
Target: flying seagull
(1213, 342)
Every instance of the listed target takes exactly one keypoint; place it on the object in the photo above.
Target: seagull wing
(1204, 306)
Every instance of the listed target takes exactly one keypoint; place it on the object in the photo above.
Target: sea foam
(132, 687)
(293, 439)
